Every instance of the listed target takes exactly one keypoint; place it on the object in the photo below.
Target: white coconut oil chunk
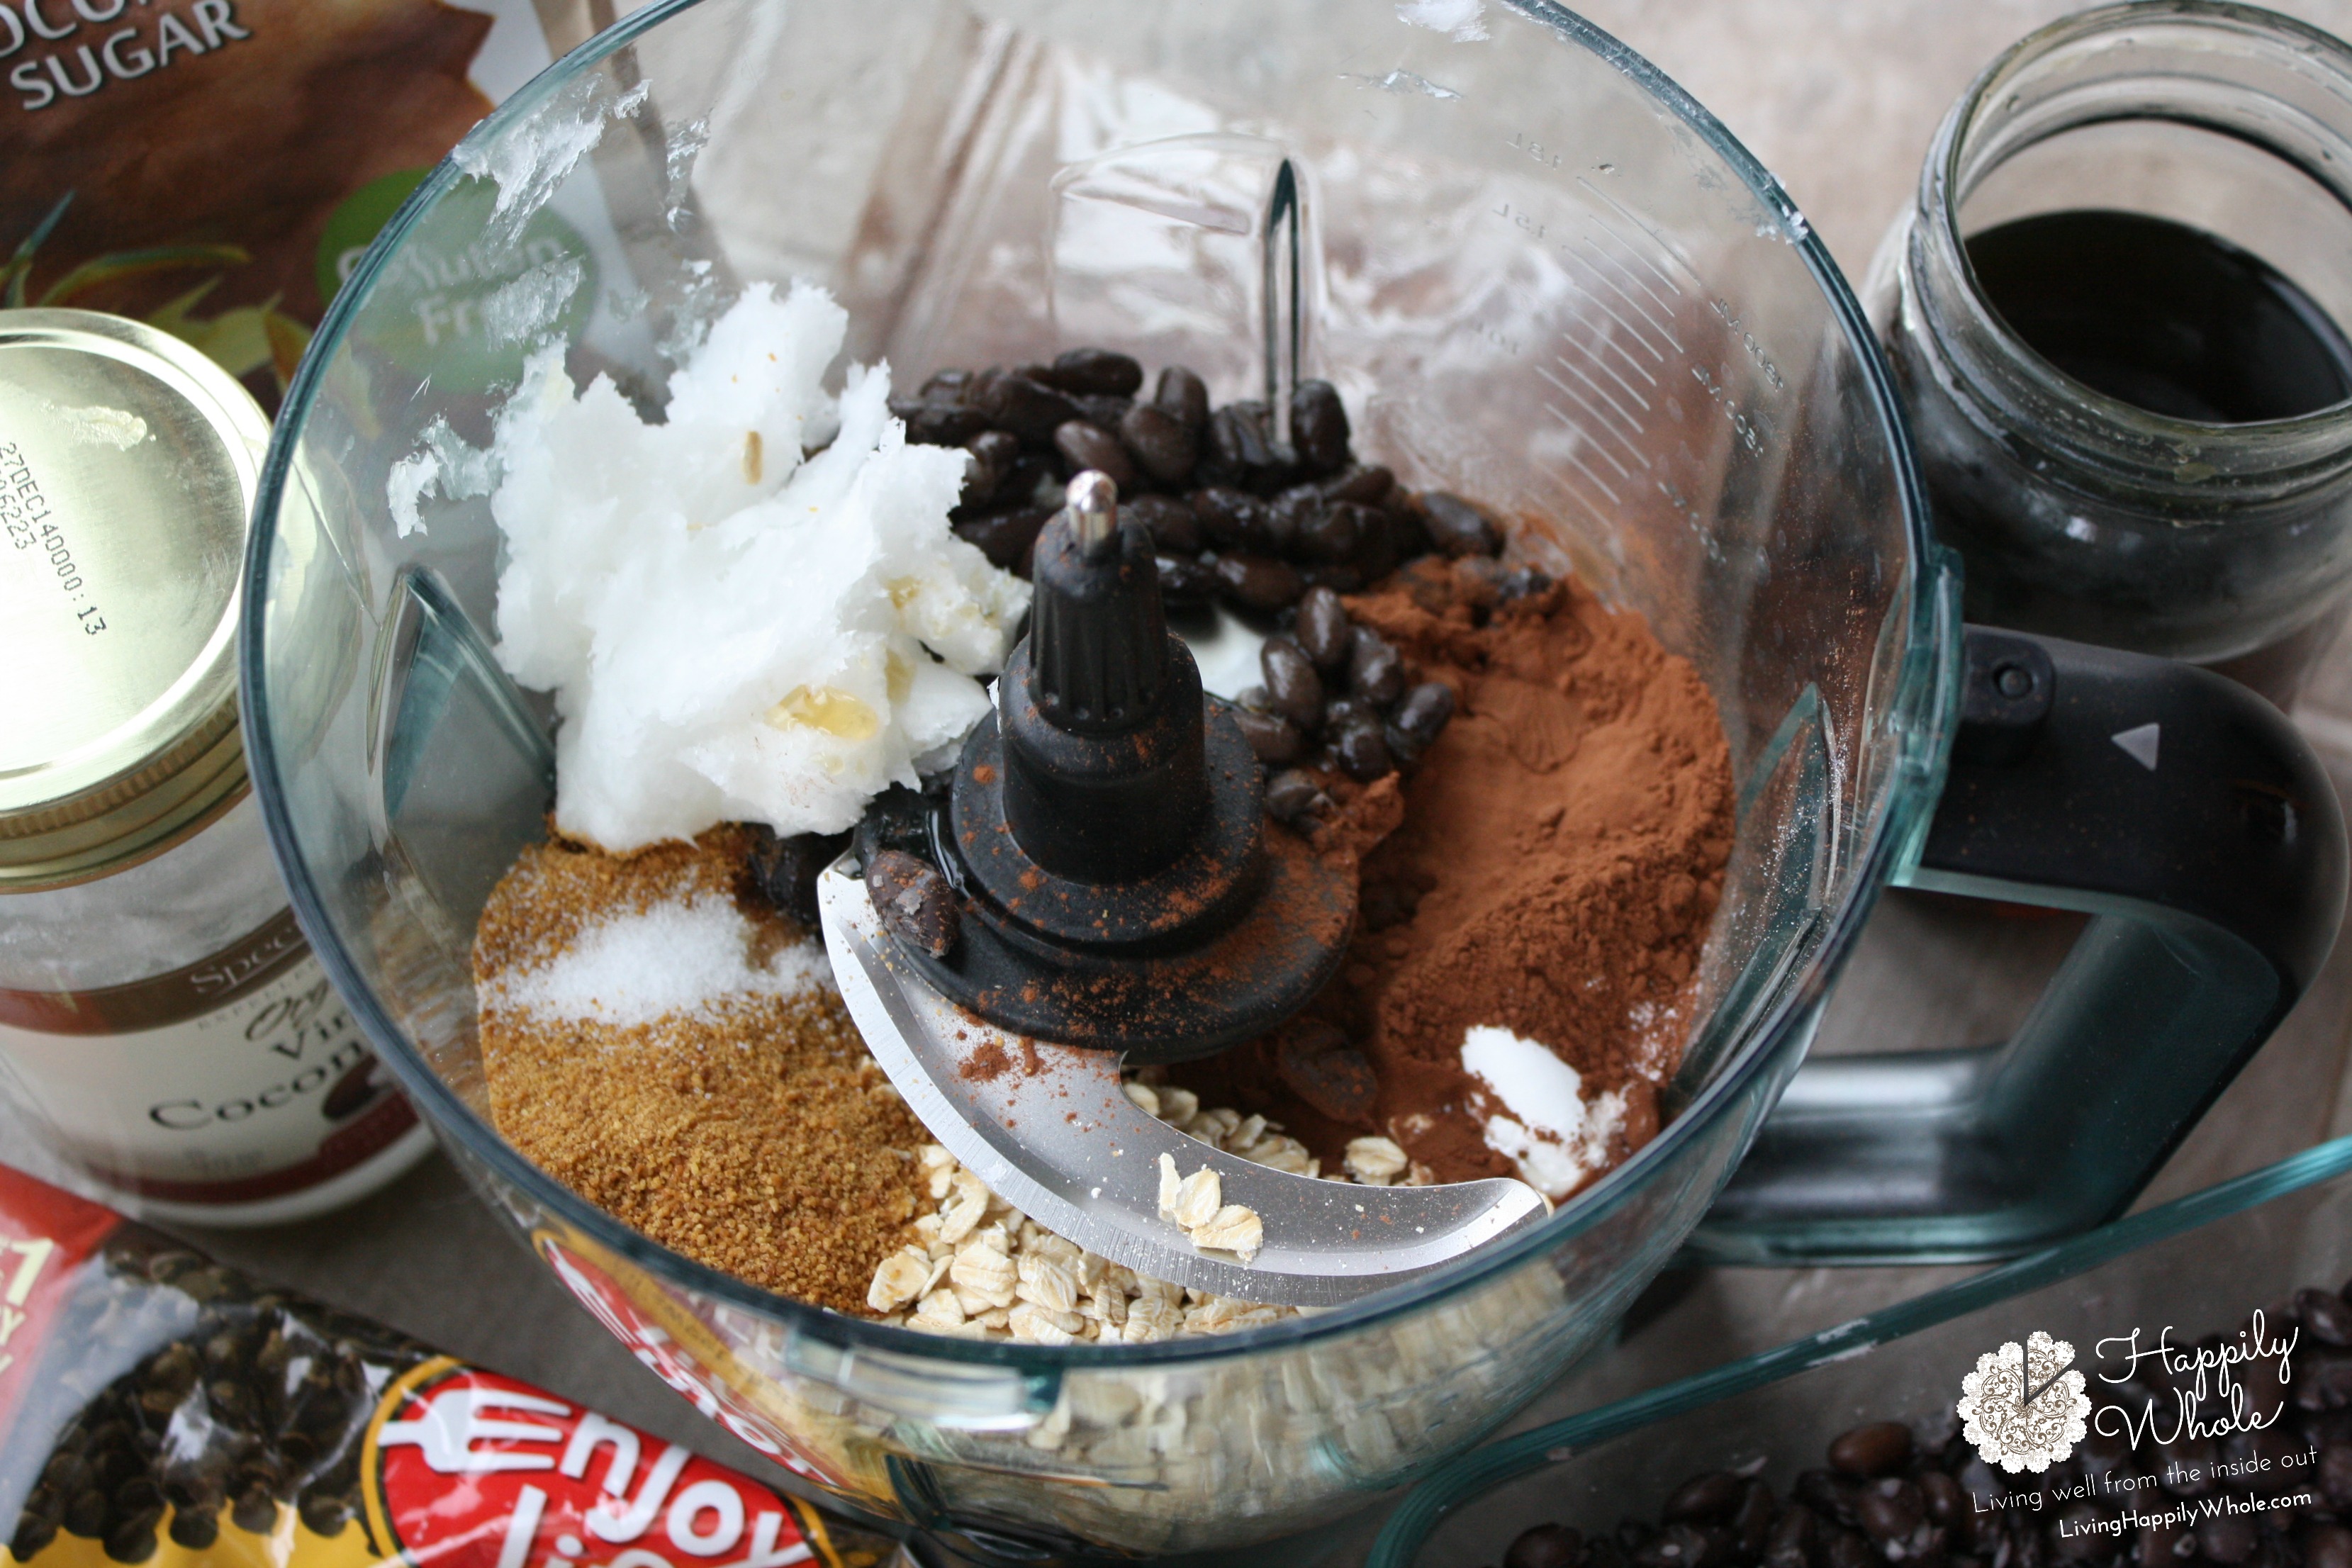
(1544, 1124)
(752, 610)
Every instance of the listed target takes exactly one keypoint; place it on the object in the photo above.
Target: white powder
(734, 632)
(1547, 1128)
(672, 958)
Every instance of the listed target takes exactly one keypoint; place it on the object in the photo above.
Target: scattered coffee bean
(1523, 582)
(2229, 1539)
(1323, 631)
(1185, 583)
(994, 455)
(1545, 1546)
(2324, 1546)
(938, 423)
(1085, 446)
(1704, 1499)
(1457, 528)
(1273, 739)
(946, 386)
(1365, 486)
(1175, 528)
(1292, 795)
(1228, 516)
(1162, 445)
(1318, 426)
(1185, 395)
(1237, 441)
(1096, 370)
(785, 869)
(1335, 532)
(1880, 1448)
(1419, 717)
(1258, 583)
(1292, 687)
(1891, 1507)
(1375, 668)
(1029, 409)
(1361, 749)
(1005, 537)
(914, 902)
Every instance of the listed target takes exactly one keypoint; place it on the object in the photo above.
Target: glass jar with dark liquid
(2115, 313)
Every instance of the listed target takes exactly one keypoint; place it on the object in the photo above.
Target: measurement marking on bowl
(1603, 366)
(1590, 440)
(1630, 302)
(1631, 429)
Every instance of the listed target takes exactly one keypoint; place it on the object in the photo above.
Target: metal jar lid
(127, 467)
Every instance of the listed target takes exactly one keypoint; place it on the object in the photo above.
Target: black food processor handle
(2190, 820)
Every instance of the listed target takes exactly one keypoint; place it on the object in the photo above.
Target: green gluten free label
(449, 302)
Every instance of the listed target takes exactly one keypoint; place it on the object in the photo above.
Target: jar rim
(2172, 456)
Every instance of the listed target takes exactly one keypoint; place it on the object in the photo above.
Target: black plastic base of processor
(1232, 939)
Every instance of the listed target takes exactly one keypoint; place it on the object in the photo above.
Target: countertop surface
(1840, 98)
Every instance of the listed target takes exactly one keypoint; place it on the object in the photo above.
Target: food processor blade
(1050, 1129)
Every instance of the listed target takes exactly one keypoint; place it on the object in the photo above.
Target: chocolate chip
(1879, 1448)
(1318, 426)
(1005, 537)
(1361, 749)
(1704, 1499)
(1258, 582)
(1274, 740)
(785, 870)
(2323, 1313)
(1375, 669)
(1292, 795)
(1162, 445)
(938, 423)
(1096, 370)
(1030, 409)
(1292, 687)
(914, 900)
(1185, 583)
(1085, 446)
(1318, 1065)
(1545, 1546)
(1185, 395)
(1323, 631)
(1457, 528)
(1174, 527)
(1228, 516)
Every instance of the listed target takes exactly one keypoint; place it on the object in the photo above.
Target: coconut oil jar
(164, 1031)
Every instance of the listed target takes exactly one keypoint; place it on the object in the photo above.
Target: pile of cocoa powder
(1560, 853)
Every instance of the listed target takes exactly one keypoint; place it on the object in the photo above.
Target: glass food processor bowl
(1540, 276)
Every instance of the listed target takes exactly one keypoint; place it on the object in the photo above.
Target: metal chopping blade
(1049, 1129)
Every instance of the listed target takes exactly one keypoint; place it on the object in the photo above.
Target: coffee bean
(1334, 532)
(1238, 443)
(133, 1540)
(1677, 1546)
(1185, 395)
(1096, 370)
(1375, 669)
(1323, 631)
(1890, 1508)
(2228, 1539)
(1945, 1502)
(946, 386)
(914, 902)
(1185, 583)
(994, 455)
(938, 423)
(1273, 739)
(1523, 582)
(1545, 1546)
(2325, 1315)
(1005, 537)
(1278, 523)
(1347, 711)
(1175, 529)
(1030, 409)
(1292, 687)
(1847, 1549)
(1085, 446)
(254, 1510)
(1318, 426)
(1419, 717)
(1880, 1448)
(1790, 1543)
(1162, 445)
(1364, 486)
(1362, 751)
(1098, 410)
(2326, 1546)
(1258, 583)
(1228, 516)
(784, 871)
(85, 1515)
(1457, 528)
(2164, 1545)
(33, 1535)
(1291, 794)
(1751, 1522)
(1318, 1065)
(196, 1532)
(324, 1514)
(1829, 1494)
(1704, 1499)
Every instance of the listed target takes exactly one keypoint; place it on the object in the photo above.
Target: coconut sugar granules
(672, 1050)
